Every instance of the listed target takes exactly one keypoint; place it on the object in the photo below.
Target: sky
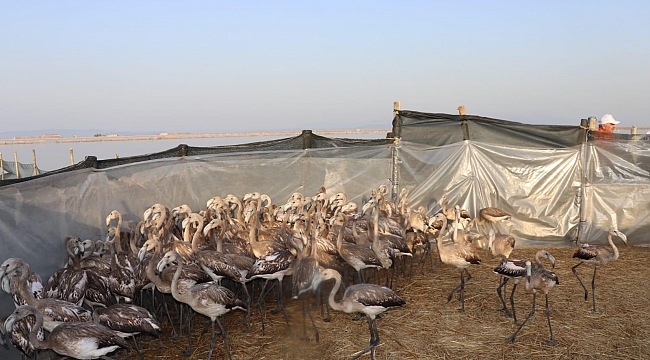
(212, 66)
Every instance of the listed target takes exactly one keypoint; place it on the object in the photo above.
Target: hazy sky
(208, 66)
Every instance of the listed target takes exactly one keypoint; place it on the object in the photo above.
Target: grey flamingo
(78, 340)
(542, 280)
(597, 256)
(209, 299)
(516, 269)
(370, 299)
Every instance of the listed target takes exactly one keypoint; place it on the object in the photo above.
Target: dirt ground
(429, 327)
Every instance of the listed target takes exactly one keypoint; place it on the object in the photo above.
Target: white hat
(607, 119)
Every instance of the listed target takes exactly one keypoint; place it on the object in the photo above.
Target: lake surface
(52, 156)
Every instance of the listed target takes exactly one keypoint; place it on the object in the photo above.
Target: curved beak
(4, 280)
(161, 265)
(141, 253)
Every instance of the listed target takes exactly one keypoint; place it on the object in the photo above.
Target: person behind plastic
(606, 126)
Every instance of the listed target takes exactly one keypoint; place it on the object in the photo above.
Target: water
(52, 156)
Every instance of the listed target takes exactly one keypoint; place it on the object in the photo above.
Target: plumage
(19, 334)
(77, 340)
(516, 269)
(369, 299)
(34, 283)
(459, 255)
(69, 283)
(501, 244)
(54, 311)
(538, 280)
(127, 320)
(209, 299)
(597, 256)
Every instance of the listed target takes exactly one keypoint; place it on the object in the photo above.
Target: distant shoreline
(56, 138)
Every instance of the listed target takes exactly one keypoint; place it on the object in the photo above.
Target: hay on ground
(429, 327)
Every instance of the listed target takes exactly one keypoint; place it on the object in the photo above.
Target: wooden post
(397, 106)
(117, 156)
(34, 162)
(16, 164)
(2, 168)
(592, 124)
(71, 157)
(634, 128)
(461, 110)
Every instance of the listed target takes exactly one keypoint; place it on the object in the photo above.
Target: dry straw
(430, 328)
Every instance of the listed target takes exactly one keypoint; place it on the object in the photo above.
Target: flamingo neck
(175, 293)
(337, 278)
(538, 260)
(197, 236)
(33, 338)
(23, 287)
(611, 243)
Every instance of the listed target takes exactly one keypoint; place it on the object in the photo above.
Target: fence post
(16, 164)
(306, 139)
(396, 131)
(71, 157)
(34, 162)
(2, 168)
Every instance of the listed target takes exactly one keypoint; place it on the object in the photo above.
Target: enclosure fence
(559, 183)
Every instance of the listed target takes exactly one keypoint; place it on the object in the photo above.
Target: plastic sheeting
(8, 170)
(553, 186)
(538, 187)
(37, 215)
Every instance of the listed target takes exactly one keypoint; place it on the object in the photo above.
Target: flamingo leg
(189, 350)
(550, 341)
(212, 341)
(248, 308)
(502, 283)
(512, 301)
(374, 340)
(573, 269)
(260, 303)
(224, 335)
(512, 337)
(462, 289)
(593, 290)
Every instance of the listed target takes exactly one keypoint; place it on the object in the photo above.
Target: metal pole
(582, 224)
(394, 177)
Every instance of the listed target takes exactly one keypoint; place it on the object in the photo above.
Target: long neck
(23, 287)
(175, 293)
(375, 226)
(33, 338)
(254, 228)
(529, 272)
(151, 274)
(440, 234)
(538, 260)
(611, 243)
(118, 234)
(197, 235)
(132, 245)
(333, 304)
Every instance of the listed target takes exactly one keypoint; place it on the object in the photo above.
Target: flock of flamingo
(213, 261)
